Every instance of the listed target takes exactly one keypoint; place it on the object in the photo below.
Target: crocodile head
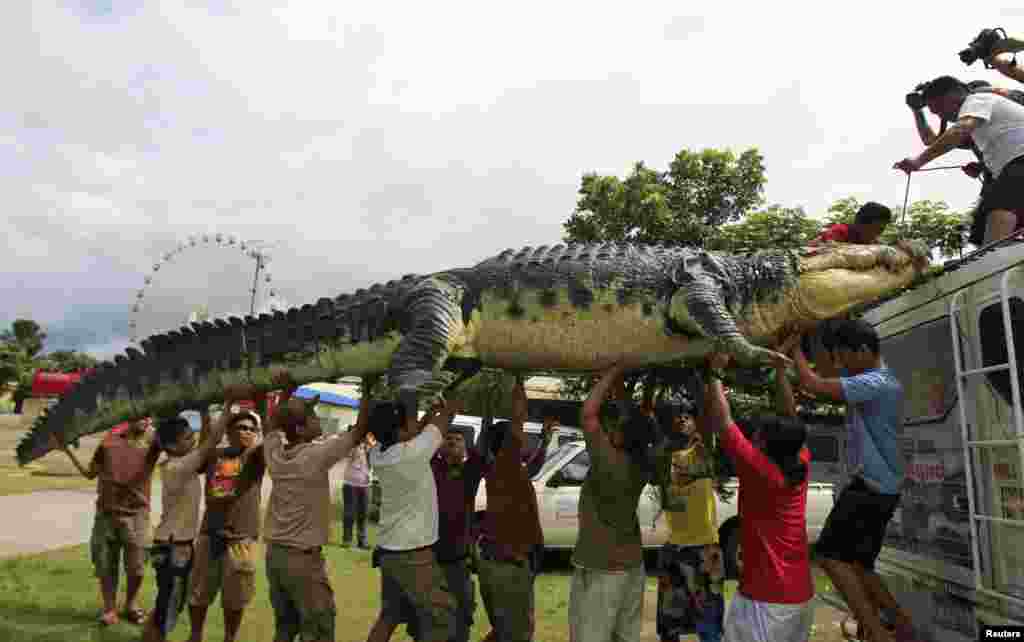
(837, 278)
(820, 283)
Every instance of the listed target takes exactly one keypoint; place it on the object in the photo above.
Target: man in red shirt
(124, 464)
(871, 220)
(774, 600)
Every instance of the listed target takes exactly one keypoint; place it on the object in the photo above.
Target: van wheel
(732, 553)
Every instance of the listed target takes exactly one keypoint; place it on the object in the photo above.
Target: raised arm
(719, 415)
(785, 403)
(956, 135)
(814, 383)
(924, 128)
(90, 472)
(1007, 64)
(591, 413)
(332, 450)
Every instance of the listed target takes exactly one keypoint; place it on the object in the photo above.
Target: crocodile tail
(190, 366)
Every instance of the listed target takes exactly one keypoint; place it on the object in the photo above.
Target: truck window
(993, 344)
(922, 359)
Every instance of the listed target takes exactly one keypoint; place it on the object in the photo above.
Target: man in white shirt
(996, 125)
(413, 587)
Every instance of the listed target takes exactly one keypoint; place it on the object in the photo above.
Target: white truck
(954, 552)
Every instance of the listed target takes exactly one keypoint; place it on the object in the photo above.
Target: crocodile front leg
(705, 307)
(431, 322)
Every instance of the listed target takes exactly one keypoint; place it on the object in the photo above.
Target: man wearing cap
(224, 555)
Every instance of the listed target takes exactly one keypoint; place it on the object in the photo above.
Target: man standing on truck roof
(855, 529)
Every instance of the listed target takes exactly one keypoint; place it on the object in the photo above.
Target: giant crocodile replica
(562, 308)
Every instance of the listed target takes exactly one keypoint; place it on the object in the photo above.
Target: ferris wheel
(255, 250)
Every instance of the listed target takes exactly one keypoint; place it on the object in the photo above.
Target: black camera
(981, 47)
(915, 99)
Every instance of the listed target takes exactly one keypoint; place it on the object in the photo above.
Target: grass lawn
(51, 597)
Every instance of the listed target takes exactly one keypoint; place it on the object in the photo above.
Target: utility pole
(255, 282)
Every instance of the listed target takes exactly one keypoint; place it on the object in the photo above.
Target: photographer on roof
(997, 51)
(995, 124)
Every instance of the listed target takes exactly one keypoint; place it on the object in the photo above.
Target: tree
(699, 192)
(20, 357)
(70, 360)
(25, 335)
(774, 227)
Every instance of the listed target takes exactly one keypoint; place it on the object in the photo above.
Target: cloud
(371, 140)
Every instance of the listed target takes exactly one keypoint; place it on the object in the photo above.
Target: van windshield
(553, 459)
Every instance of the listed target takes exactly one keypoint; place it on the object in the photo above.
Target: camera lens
(968, 56)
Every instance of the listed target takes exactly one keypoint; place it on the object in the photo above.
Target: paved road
(45, 520)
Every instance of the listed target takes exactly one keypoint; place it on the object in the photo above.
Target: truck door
(996, 442)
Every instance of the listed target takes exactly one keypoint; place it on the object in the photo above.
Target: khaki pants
(414, 590)
(606, 606)
(300, 593)
(507, 592)
(235, 571)
(114, 535)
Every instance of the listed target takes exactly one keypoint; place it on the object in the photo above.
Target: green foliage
(487, 392)
(775, 227)
(68, 361)
(699, 192)
(25, 335)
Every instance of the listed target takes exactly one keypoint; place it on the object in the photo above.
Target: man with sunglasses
(298, 515)
(224, 552)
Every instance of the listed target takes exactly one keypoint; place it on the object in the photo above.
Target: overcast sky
(369, 140)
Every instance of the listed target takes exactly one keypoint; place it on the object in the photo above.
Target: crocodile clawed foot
(752, 355)
(425, 394)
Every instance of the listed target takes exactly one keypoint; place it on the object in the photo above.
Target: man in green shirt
(606, 600)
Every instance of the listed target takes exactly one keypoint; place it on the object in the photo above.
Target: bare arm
(441, 419)
(812, 382)
(90, 472)
(591, 413)
(924, 128)
(1007, 65)
(719, 415)
(956, 135)
(785, 403)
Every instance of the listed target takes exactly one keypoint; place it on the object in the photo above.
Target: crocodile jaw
(840, 278)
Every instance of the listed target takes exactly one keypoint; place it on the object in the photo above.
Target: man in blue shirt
(854, 532)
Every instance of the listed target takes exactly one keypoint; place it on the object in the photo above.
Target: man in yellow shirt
(690, 578)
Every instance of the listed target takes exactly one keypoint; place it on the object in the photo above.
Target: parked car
(558, 486)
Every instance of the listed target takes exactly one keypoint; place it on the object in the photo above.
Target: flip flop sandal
(135, 616)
